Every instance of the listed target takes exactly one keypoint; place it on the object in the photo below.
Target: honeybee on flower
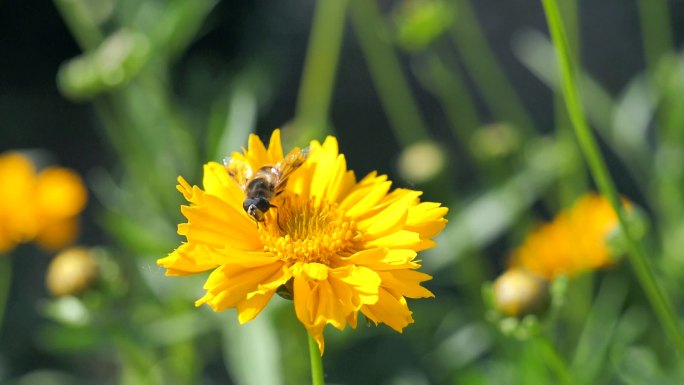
(339, 246)
(266, 183)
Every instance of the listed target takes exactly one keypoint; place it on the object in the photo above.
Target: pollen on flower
(301, 230)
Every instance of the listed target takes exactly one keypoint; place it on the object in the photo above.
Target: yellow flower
(58, 199)
(338, 245)
(574, 242)
(39, 207)
(17, 179)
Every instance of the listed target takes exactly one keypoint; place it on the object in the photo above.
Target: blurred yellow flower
(40, 207)
(337, 245)
(575, 241)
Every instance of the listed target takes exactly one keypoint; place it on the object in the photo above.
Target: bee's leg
(280, 227)
(278, 219)
(277, 212)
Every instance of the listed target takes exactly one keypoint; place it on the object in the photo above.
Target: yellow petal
(304, 301)
(406, 283)
(390, 219)
(57, 234)
(427, 219)
(275, 147)
(365, 282)
(185, 188)
(402, 239)
(381, 259)
(361, 201)
(316, 271)
(390, 310)
(186, 260)
(233, 256)
(218, 183)
(256, 152)
(217, 224)
(229, 285)
(251, 307)
(60, 193)
(330, 309)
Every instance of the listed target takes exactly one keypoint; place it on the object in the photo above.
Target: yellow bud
(518, 292)
(421, 162)
(71, 272)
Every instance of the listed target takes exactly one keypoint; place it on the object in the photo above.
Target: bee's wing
(288, 165)
(238, 169)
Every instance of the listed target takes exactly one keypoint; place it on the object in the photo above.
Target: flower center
(301, 230)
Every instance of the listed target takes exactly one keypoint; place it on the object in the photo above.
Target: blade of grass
(554, 360)
(320, 66)
(82, 26)
(656, 31)
(5, 284)
(483, 66)
(390, 83)
(644, 272)
(445, 81)
(593, 344)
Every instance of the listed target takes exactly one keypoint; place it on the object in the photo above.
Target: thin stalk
(5, 284)
(656, 31)
(390, 83)
(576, 182)
(483, 67)
(444, 79)
(320, 66)
(82, 25)
(644, 272)
(555, 362)
(316, 362)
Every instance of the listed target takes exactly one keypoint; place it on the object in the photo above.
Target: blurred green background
(457, 98)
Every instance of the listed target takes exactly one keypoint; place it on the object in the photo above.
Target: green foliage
(487, 149)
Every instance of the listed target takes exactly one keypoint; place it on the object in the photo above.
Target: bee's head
(256, 208)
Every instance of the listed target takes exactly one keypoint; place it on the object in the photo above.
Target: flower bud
(71, 272)
(518, 292)
(421, 162)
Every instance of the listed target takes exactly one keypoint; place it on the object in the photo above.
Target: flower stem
(485, 70)
(316, 362)
(554, 360)
(644, 272)
(320, 67)
(393, 89)
(656, 31)
(5, 284)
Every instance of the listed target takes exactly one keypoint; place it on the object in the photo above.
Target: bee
(266, 183)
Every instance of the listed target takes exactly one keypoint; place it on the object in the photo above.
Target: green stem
(483, 67)
(445, 80)
(320, 66)
(316, 362)
(555, 361)
(577, 179)
(644, 272)
(390, 83)
(5, 284)
(656, 31)
(82, 25)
